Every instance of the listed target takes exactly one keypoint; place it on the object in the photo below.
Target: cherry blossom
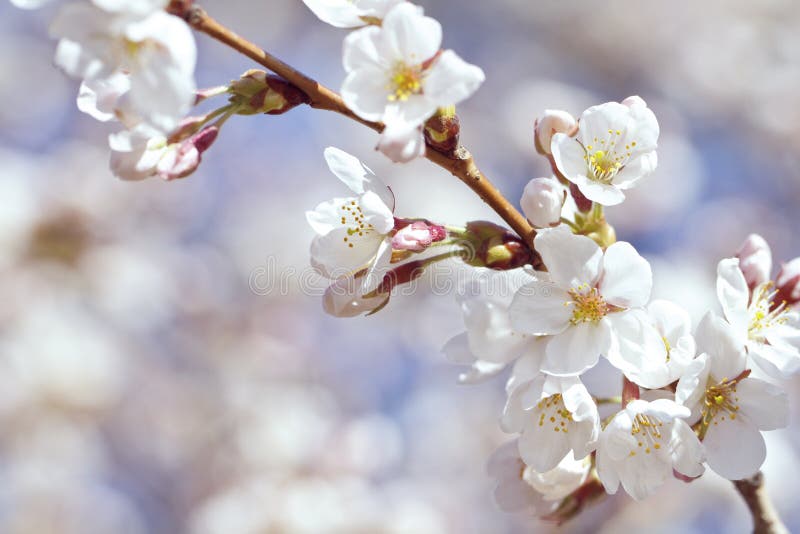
(614, 148)
(397, 74)
(755, 260)
(642, 445)
(770, 330)
(581, 307)
(730, 407)
(353, 232)
(157, 50)
(553, 121)
(350, 13)
(554, 416)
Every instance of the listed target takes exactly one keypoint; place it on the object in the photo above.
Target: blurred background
(148, 386)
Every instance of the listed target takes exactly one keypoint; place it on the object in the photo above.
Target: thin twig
(765, 517)
(459, 163)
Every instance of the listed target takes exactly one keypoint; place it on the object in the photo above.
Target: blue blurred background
(146, 386)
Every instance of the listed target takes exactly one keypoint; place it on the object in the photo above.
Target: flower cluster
(397, 72)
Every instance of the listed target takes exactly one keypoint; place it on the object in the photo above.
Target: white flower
(614, 148)
(353, 232)
(156, 49)
(554, 416)
(767, 328)
(542, 200)
(100, 98)
(552, 122)
(755, 260)
(589, 294)
(732, 408)
(350, 13)
(490, 343)
(402, 142)
(661, 344)
(396, 73)
(521, 488)
(642, 445)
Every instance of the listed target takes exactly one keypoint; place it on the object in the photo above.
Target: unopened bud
(416, 236)
(443, 129)
(258, 92)
(541, 202)
(788, 283)
(552, 122)
(182, 159)
(496, 247)
(179, 8)
(755, 260)
(402, 142)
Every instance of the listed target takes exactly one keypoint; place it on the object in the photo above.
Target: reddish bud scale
(497, 248)
(179, 8)
(583, 203)
(442, 132)
(630, 391)
(293, 96)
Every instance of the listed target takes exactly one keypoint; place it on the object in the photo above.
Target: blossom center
(406, 80)
(765, 313)
(720, 399)
(647, 432)
(553, 412)
(353, 220)
(606, 156)
(588, 305)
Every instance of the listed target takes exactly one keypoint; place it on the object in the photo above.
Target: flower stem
(765, 517)
(459, 162)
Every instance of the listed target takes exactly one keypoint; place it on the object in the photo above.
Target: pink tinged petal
(569, 155)
(715, 337)
(540, 308)
(627, 278)
(365, 92)
(409, 35)
(605, 194)
(577, 349)
(571, 259)
(687, 451)
(755, 260)
(451, 79)
(735, 449)
(733, 294)
(636, 169)
(764, 404)
(553, 121)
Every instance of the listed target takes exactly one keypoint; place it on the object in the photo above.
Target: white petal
(636, 169)
(715, 337)
(326, 216)
(335, 258)
(764, 404)
(542, 448)
(365, 93)
(627, 278)
(577, 349)
(568, 155)
(691, 388)
(571, 259)
(733, 292)
(687, 451)
(338, 13)
(401, 142)
(411, 36)
(735, 449)
(605, 194)
(376, 212)
(451, 79)
(378, 268)
(540, 308)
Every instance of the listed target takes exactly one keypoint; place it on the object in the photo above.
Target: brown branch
(458, 162)
(765, 517)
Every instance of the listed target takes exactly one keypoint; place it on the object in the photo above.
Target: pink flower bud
(755, 260)
(416, 237)
(552, 122)
(182, 159)
(541, 202)
(788, 283)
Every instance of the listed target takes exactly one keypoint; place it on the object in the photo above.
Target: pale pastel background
(144, 387)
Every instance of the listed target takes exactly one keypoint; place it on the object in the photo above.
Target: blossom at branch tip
(662, 344)
(353, 233)
(489, 343)
(614, 148)
(519, 488)
(583, 308)
(350, 13)
(554, 415)
(398, 74)
(542, 200)
(142, 152)
(730, 408)
(157, 50)
(766, 327)
(643, 444)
